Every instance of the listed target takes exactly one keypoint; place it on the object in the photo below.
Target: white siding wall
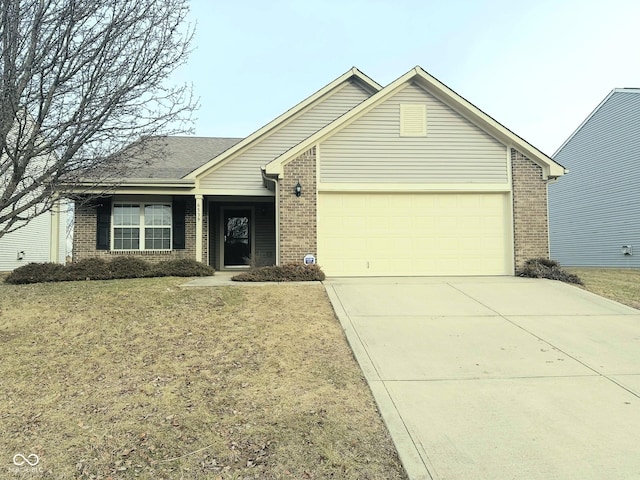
(34, 239)
(243, 171)
(372, 150)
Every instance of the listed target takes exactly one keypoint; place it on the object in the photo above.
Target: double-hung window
(141, 226)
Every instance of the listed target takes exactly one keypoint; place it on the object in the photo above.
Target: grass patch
(619, 284)
(141, 379)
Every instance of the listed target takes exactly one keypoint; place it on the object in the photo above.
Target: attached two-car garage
(413, 181)
(369, 234)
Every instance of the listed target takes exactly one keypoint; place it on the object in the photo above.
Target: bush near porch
(282, 273)
(99, 269)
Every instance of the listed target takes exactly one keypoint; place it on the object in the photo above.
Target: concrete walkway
(498, 378)
(223, 279)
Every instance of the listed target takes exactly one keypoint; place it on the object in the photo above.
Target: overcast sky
(538, 67)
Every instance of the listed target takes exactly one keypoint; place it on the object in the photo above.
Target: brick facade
(530, 223)
(298, 224)
(84, 238)
(298, 217)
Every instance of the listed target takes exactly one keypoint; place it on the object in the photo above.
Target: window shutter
(178, 214)
(103, 228)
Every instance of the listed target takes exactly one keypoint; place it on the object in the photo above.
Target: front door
(237, 237)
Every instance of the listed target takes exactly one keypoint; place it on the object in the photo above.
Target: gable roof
(595, 110)
(352, 74)
(443, 93)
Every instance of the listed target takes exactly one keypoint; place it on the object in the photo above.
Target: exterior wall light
(298, 189)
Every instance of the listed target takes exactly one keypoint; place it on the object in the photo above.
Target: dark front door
(237, 237)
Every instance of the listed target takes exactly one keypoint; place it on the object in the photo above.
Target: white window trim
(141, 239)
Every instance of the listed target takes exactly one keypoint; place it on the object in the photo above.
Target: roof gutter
(137, 182)
(96, 186)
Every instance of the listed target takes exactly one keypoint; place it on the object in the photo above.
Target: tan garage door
(369, 234)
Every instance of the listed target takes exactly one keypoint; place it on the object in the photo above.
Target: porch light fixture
(298, 189)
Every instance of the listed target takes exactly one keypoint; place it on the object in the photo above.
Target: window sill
(140, 252)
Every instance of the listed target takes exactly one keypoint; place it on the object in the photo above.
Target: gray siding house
(594, 214)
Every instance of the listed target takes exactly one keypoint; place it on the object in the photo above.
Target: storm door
(237, 237)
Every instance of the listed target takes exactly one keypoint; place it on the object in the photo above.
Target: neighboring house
(409, 179)
(43, 239)
(594, 213)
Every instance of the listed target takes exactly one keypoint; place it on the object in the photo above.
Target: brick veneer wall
(298, 224)
(530, 223)
(84, 238)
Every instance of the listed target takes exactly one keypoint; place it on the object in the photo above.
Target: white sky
(539, 67)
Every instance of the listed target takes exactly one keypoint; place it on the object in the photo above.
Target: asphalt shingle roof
(175, 157)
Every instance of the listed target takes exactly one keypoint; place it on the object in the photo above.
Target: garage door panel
(414, 234)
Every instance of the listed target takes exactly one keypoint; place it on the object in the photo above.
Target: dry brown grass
(141, 379)
(619, 284)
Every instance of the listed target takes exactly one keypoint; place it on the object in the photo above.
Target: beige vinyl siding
(243, 171)
(371, 150)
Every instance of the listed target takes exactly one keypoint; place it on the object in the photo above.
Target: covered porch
(240, 232)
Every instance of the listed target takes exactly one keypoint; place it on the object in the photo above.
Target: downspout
(277, 207)
(54, 231)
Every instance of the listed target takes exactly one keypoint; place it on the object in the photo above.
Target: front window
(139, 226)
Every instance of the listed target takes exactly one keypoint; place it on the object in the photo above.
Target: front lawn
(619, 284)
(141, 379)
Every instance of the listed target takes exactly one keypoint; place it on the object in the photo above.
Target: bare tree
(80, 80)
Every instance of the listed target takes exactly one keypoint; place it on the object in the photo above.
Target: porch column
(199, 228)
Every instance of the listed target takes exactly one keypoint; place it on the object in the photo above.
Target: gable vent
(413, 120)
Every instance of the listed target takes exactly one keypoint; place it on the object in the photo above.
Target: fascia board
(137, 182)
(275, 166)
(282, 119)
(444, 93)
(486, 122)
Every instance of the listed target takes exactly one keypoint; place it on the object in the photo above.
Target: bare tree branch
(79, 81)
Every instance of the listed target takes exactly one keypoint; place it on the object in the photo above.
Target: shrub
(182, 268)
(545, 268)
(36, 273)
(129, 267)
(283, 273)
(87, 269)
(99, 269)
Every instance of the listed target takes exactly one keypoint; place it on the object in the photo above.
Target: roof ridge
(627, 90)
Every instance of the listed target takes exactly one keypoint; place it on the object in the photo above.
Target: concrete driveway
(498, 378)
